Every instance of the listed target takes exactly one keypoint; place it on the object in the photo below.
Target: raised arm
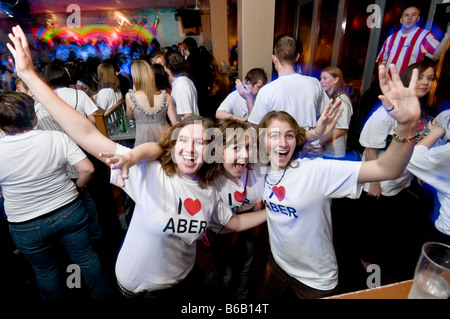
(245, 94)
(327, 121)
(403, 105)
(442, 45)
(79, 128)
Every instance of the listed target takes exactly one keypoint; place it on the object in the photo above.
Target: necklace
(265, 178)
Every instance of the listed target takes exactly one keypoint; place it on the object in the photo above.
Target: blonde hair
(144, 79)
(107, 77)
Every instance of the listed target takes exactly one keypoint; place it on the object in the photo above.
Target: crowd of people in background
(305, 123)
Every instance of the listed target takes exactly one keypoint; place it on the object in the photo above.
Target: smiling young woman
(298, 192)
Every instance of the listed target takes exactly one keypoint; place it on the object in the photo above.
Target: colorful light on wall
(85, 34)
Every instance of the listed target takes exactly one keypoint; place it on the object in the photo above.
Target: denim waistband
(142, 295)
(46, 215)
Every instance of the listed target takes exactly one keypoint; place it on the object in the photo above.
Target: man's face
(410, 17)
(254, 89)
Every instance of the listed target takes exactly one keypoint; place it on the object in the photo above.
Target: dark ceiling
(24, 7)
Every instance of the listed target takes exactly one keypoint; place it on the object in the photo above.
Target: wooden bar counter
(398, 290)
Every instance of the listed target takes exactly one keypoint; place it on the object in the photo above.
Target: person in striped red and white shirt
(411, 43)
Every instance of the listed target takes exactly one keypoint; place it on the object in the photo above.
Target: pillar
(256, 20)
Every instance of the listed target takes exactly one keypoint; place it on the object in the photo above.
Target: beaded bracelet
(402, 139)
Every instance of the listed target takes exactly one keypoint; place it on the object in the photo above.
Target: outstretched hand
(399, 101)
(20, 50)
(119, 162)
(327, 120)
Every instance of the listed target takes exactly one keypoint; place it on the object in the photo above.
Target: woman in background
(148, 105)
(335, 143)
(108, 87)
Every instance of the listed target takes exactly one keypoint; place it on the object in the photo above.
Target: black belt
(144, 295)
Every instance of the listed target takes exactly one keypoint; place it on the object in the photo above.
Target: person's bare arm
(375, 187)
(123, 162)
(85, 170)
(246, 221)
(78, 127)
(223, 114)
(129, 106)
(171, 111)
(442, 45)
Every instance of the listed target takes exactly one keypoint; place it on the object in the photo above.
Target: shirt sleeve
(183, 97)
(102, 99)
(221, 214)
(227, 104)
(136, 175)
(341, 178)
(322, 99)
(74, 152)
(429, 45)
(376, 130)
(343, 122)
(431, 165)
(89, 106)
(259, 109)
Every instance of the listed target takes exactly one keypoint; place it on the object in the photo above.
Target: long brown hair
(169, 139)
(339, 87)
(238, 127)
(283, 116)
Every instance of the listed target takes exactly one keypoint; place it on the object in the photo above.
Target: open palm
(406, 106)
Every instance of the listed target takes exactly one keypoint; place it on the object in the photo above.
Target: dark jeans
(38, 240)
(279, 285)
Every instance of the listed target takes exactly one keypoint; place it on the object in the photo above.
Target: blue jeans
(38, 240)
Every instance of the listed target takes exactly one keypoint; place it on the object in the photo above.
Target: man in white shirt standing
(184, 93)
(239, 103)
(301, 96)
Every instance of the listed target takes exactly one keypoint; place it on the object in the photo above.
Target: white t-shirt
(184, 96)
(432, 167)
(107, 98)
(77, 99)
(337, 148)
(301, 96)
(33, 173)
(375, 134)
(240, 197)
(299, 217)
(443, 120)
(171, 214)
(234, 104)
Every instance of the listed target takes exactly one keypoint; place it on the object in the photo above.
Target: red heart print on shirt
(239, 197)
(279, 192)
(192, 206)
